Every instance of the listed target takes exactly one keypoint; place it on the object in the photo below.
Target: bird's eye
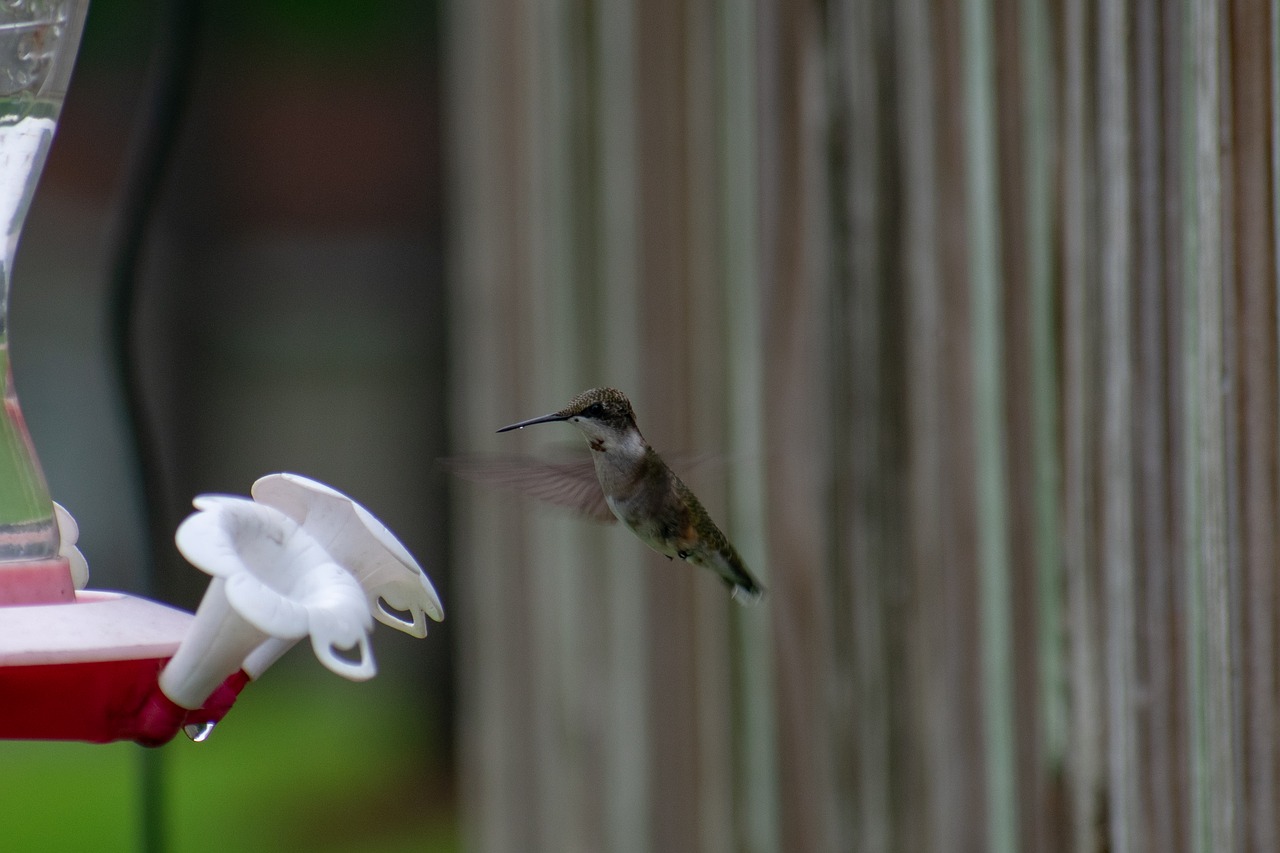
(595, 410)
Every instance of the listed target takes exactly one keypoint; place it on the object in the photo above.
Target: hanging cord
(160, 112)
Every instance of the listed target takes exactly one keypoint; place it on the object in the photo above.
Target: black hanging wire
(166, 92)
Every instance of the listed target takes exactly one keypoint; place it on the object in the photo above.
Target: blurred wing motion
(569, 483)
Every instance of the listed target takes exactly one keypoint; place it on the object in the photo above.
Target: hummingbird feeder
(298, 559)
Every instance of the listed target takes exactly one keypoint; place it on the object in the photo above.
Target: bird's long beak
(545, 419)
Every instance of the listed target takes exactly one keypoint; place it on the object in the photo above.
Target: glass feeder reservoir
(38, 42)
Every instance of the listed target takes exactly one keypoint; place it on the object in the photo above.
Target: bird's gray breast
(650, 527)
(623, 483)
(638, 494)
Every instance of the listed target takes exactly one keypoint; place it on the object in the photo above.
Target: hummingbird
(633, 484)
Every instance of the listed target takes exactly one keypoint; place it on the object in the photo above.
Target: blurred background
(974, 301)
(290, 297)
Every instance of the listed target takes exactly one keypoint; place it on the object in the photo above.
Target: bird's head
(602, 415)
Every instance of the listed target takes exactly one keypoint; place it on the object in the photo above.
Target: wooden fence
(978, 300)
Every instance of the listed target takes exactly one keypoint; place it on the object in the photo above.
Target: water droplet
(198, 732)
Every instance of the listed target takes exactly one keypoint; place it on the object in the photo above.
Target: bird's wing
(570, 483)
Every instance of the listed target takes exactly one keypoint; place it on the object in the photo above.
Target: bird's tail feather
(747, 594)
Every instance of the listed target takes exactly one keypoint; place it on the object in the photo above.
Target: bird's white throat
(628, 445)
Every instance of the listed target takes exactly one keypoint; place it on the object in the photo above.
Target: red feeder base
(100, 702)
(87, 670)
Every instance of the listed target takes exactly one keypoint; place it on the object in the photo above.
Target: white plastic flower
(69, 534)
(301, 559)
(360, 543)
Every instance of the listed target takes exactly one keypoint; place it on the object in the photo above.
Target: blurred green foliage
(304, 761)
(296, 31)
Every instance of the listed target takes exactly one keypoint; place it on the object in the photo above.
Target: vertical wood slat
(1086, 755)
(1258, 407)
(665, 348)
(963, 819)
(549, 305)
(1265, 692)
(929, 762)
(495, 746)
(1209, 654)
(742, 295)
(714, 651)
(1037, 68)
(1176, 215)
(1118, 549)
(1038, 64)
(627, 804)
(994, 564)
(860, 580)
(843, 58)
(793, 288)
(1157, 754)
(1016, 380)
